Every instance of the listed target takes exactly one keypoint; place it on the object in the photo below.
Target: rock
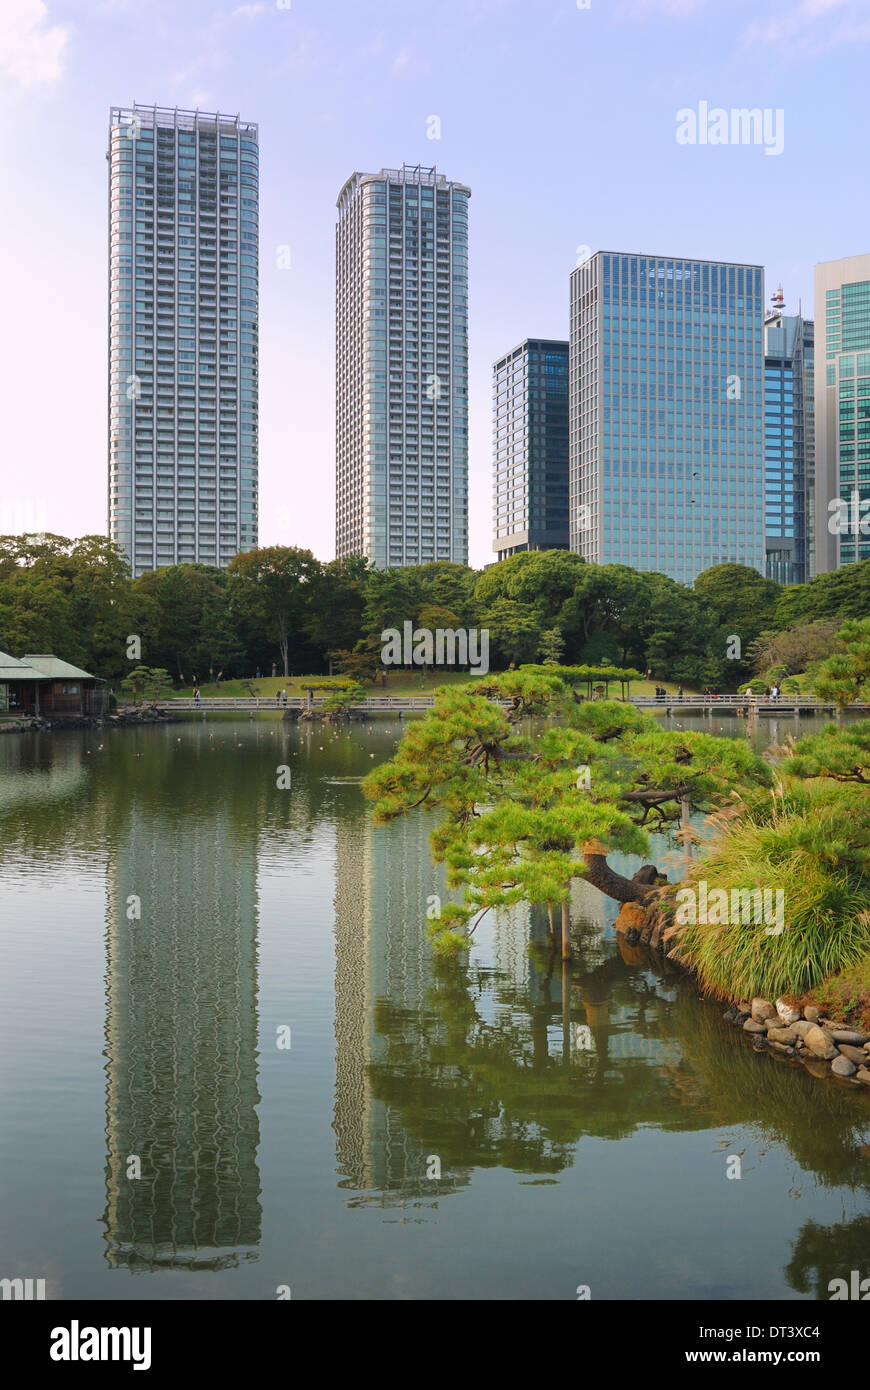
(802, 1027)
(753, 1026)
(631, 918)
(841, 1066)
(855, 1054)
(758, 1042)
(811, 1013)
(761, 1009)
(815, 1065)
(850, 1035)
(729, 1014)
(787, 1012)
(782, 1035)
(819, 1043)
(783, 1048)
(863, 1075)
(740, 1018)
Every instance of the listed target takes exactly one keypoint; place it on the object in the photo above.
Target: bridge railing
(385, 703)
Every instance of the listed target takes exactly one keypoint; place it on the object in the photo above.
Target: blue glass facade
(788, 448)
(842, 299)
(530, 448)
(667, 413)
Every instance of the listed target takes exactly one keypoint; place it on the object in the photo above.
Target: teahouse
(43, 686)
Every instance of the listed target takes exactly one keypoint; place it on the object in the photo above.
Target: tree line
(281, 607)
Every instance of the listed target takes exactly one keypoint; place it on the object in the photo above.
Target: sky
(562, 117)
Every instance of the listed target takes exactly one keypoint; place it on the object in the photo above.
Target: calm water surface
(581, 1122)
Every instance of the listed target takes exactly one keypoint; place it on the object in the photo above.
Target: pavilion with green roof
(45, 686)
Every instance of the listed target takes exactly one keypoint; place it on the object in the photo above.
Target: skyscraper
(530, 448)
(183, 227)
(842, 309)
(402, 367)
(789, 444)
(666, 413)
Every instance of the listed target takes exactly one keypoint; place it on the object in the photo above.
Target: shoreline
(827, 1048)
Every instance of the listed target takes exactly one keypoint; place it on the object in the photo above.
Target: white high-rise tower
(183, 213)
(402, 367)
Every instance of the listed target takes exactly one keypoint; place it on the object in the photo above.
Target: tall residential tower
(402, 367)
(530, 448)
(183, 227)
(842, 294)
(667, 413)
(789, 445)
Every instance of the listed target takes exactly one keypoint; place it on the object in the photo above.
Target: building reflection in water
(384, 880)
(181, 1043)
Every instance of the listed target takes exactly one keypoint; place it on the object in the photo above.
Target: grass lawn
(399, 682)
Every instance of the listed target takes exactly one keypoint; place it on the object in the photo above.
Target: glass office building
(789, 445)
(666, 413)
(530, 448)
(842, 388)
(402, 367)
(183, 325)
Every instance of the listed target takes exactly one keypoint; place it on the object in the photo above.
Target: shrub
(812, 842)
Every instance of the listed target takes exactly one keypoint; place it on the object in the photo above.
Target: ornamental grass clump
(806, 847)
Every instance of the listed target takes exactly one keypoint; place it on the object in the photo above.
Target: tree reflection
(491, 1072)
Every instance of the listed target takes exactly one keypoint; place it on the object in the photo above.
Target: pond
(230, 1063)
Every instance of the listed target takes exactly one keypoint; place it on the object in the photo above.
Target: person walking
(284, 696)
(680, 693)
(196, 694)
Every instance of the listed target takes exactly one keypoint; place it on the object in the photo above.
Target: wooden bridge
(419, 704)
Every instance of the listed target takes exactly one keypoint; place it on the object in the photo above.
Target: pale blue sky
(562, 120)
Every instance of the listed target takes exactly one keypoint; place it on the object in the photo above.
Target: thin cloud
(248, 11)
(32, 51)
(813, 25)
(674, 9)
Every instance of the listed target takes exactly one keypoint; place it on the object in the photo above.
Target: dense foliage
(281, 606)
(526, 810)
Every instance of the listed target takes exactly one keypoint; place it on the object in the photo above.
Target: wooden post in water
(566, 1016)
(566, 927)
(686, 833)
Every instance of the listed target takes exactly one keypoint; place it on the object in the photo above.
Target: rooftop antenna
(777, 303)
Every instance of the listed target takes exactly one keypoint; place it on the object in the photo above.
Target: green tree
(191, 626)
(335, 617)
(514, 631)
(273, 590)
(795, 647)
(147, 683)
(843, 754)
(844, 677)
(519, 823)
(743, 601)
(552, 645)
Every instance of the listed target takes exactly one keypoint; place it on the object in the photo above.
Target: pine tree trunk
(612, 884)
